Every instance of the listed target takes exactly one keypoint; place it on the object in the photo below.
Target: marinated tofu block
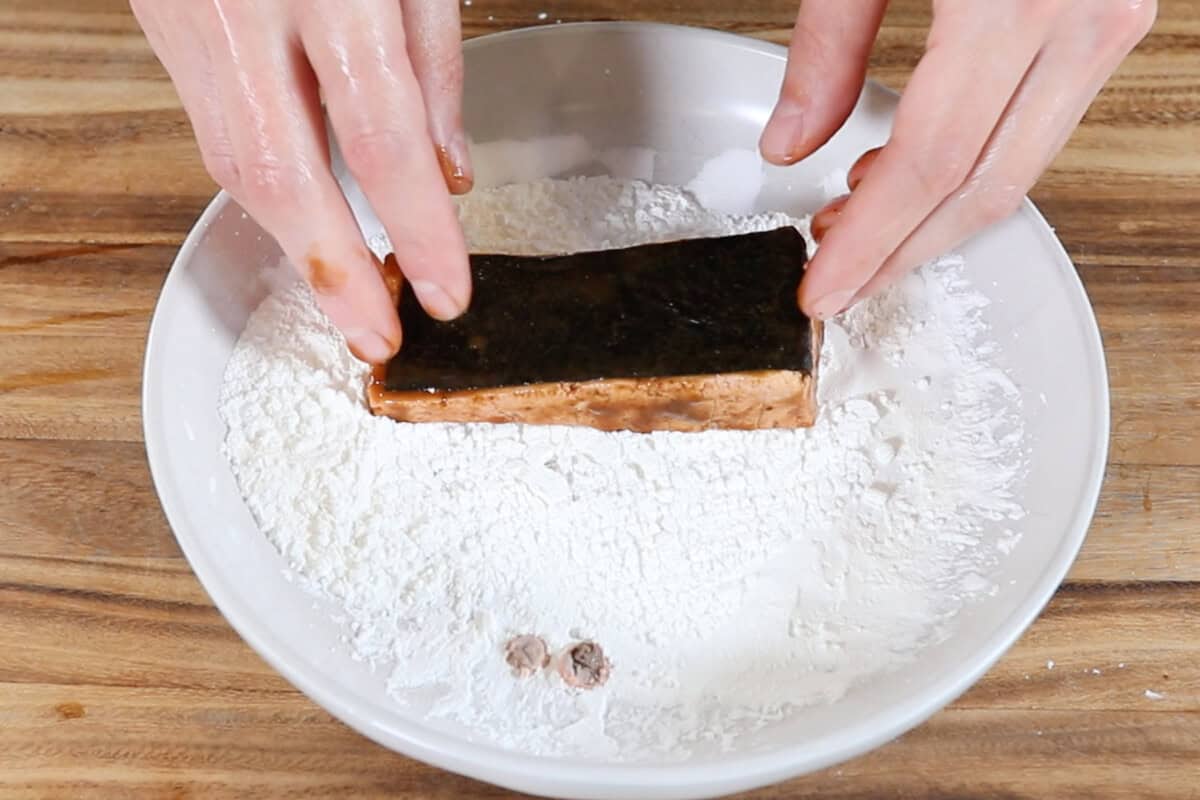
(685, 336)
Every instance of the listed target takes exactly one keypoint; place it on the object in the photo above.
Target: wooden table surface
(118, 678)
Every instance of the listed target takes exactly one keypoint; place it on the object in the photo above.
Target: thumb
(827, 63)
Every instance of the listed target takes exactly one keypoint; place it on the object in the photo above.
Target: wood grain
(228, 746)
(74, 319)
(119, 679)
(171, 697)
(121, 132)
(80, 499)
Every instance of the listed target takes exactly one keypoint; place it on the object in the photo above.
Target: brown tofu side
(732, 401)
(737, 401)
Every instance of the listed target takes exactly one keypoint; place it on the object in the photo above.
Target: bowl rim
(520, 771)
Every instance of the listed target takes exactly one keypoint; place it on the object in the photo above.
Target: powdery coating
(526, 654)
(735, 576)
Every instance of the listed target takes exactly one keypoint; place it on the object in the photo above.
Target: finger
(823, 220)
(435, 50)
(944, 118)
(860, 168)
(375, 104)
(186, 60)
(1048, 106)
(827, 63)
(270, 102)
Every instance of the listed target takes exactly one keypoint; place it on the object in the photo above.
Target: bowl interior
(657, 103)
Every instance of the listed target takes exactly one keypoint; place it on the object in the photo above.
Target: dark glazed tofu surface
(692, 307)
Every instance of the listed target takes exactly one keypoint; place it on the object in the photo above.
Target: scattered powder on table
(730, 577)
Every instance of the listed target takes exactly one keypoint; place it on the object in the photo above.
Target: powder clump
(583, 665)
(526, 655)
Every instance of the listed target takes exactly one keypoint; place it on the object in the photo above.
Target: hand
(248, 73)
(999, 90)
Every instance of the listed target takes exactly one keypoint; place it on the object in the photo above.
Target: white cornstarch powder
(731, 577)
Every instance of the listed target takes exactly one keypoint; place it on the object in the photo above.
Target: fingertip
(859, 169)
(392, 334)
(781, 140)
(823, 294)
(385, 335)
(361, 303)
(434, 260)
(805, 299)
(437, 301)
(454, 158)
(828, 305)
(370, 347)
(826, 66)
(825, 218)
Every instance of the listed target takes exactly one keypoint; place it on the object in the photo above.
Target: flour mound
(730, 577)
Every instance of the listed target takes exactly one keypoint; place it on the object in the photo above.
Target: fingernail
(823, 220)
(832, 304)
(780, 141)
(436, 302)
(369, 347)
(860, 168)
(455, 161)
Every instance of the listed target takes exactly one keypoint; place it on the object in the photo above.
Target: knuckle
(807, 41)
(369, 152)
(939, 35)
(938, 158)
(222, 168)
(417, 255)
(1124, 23)
(808, 50)
(997, 203)
(937, 175)
(267, 183)
(446, 69)
(1035, 14)
(793, 89)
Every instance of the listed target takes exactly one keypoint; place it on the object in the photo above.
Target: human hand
(999, 90)
(248, 73)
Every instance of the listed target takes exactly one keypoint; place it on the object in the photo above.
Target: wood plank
(1145, 528)
(1152, 342)
(73, 324)
(117, 676)
(89, 390)
(1134, 222)
(80, 291)
(80, 500)
(96, 148)
(1101, 647)
(160, 692)
(133, 623)
(153, 744)
(972, 755)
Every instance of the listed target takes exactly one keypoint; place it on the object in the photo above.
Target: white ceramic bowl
(687, 95)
